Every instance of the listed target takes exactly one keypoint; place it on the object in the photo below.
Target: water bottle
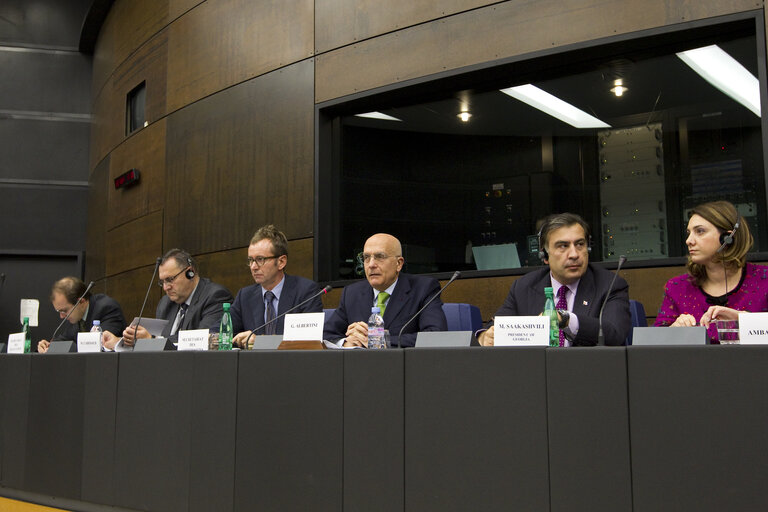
(97, 328)
(551, 312)
(27, 336)
(376, 329)
(225, 329)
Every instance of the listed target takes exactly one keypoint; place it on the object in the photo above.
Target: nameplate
(303, 326)
(753, 328)
(88, 342)
(521, 331)
(16, 343)
(195, 339)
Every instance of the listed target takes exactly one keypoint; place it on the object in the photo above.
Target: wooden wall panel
(97, 227)
(342, 22)
(177, 8)
(144, 151)
(134, 244)
(128, 25)
(224, 42)
(128, 289)
(240, 159)
(504, 30)
(147, 65)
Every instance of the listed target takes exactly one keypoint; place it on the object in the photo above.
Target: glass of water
(727, 331)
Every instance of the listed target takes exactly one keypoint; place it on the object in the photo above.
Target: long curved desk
(615, 429)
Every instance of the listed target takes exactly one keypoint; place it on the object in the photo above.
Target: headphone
(726, 237)
(190, 273)
(544, 255)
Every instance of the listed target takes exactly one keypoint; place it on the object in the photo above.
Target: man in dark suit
(564, 246)
(400, 294)
(275, 292)
(64, 297)
(190, 302)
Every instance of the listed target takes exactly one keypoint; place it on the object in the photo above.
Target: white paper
(521, 331)
(89, 342)
(16, 343)
(195, 339)
(753, 328)
(304, 327)
(29, 308)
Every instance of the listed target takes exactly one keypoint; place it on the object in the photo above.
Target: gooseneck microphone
(281, 315)
(77, 302)
(146, 296)
(454, 277)
(600, 337)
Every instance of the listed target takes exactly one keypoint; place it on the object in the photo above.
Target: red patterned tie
(562, 304)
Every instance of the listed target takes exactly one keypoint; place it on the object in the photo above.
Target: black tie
(271, 328)
(182, 312)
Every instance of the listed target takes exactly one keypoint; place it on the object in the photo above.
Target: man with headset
(580, 288)
(190, 302)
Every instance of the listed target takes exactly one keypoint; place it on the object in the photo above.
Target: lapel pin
(585, 303)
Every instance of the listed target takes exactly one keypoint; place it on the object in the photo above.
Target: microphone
(146, 296)
(454, 277)
(77, 302)
(600, 337)
(281, 315)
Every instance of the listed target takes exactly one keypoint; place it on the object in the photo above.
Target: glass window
(461, 168)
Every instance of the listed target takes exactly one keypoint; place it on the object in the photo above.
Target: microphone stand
(453, 278)
(146, 296)
(600, 336)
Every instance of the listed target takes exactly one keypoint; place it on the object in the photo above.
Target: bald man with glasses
(398, 295)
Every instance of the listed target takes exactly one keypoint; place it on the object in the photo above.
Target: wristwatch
(565, 316)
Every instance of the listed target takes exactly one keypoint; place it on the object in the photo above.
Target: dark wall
(232, 88)
(45, 105)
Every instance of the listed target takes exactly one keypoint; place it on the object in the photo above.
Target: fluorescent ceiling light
(378, 115)
(725, 73)
(554, 106)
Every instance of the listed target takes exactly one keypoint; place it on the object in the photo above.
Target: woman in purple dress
(719, 283)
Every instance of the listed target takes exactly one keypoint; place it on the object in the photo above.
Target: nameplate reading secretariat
(89, 342)
(195, 339)
(16, 343)
(753, 328)
(304, 327)
(521, 331)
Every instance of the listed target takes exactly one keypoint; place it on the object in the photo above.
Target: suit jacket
(248, 308)
(526, 298)
(204, 311)
(102, 308)
(410, 294)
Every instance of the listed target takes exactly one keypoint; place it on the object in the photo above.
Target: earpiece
(726, 237)
(190, 273)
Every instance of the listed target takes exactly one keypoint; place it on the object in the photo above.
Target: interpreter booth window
(630, 134)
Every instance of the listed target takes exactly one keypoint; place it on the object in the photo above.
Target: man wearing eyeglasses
(64, 297)
(257, 306)
(190, 302)
(398, 295)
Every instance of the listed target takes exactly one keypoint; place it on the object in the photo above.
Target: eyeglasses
(260, 260)
(379, 257)
(169, 280)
